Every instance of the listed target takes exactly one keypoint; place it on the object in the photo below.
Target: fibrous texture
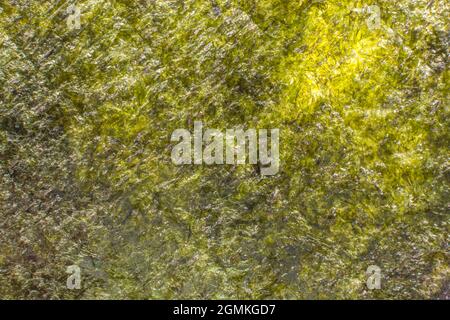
(86, 116)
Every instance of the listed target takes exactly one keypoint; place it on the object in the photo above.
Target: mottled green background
(86, 176)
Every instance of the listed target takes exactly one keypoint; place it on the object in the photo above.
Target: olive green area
(86, 175)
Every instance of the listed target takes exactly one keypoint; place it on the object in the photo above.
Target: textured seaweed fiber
(86, 177)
